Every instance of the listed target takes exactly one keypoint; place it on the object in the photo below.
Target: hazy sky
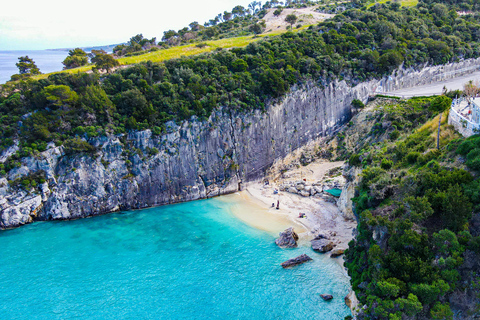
(49, 24)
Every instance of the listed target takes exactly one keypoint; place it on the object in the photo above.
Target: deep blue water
(186, 261)
(46, 60)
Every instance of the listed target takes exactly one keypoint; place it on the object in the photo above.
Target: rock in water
(351, 300)
(337, 253)
(326, 297)
(296, 261)
(322, 245)
(288, 239)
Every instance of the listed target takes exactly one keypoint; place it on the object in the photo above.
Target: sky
(52, 24)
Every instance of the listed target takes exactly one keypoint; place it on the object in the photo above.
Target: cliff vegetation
(416, 254)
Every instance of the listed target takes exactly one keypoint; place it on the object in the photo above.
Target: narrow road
(435, 88)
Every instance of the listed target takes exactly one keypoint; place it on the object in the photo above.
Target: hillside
(274, 25)
(416, 249)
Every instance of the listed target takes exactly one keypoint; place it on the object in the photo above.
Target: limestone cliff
(192, 161)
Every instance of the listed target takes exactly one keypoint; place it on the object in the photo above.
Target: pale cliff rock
(195, 160)
(344, 202)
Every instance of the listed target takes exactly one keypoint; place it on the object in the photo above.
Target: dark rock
(321, 236)
(337, 253)
(288, 239)
(296, 261)
(322, 245)
(326, 297)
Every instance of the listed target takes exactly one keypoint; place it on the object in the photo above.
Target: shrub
(358, 104)
(277, 12)
(386, 164)
(355, 160)
(77, 145)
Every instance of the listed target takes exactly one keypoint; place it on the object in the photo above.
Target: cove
(193, 260)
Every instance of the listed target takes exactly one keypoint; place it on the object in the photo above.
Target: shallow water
(187, 261)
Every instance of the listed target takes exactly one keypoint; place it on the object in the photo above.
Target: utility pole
(438, 134)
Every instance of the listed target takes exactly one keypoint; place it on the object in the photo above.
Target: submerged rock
(288, 239)
(322, 245)
(326, 297)
(337, 253)
(296, 261)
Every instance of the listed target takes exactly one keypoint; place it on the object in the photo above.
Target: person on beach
(278, 204)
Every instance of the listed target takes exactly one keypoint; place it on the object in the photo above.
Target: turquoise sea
(193, 260)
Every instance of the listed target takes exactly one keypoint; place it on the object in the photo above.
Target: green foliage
(136, 45)
(441, 311)
(60, 96)
(291, 19)
(355, 160)
(103, 61)
(76, 145)
(26, 65)
(440, 104)
(413, 218)
(471, 149)
(76, 58)
(386, 164)
(29, 182)
(358, 104)
(429, 293)
(410, 306)
(387, 289)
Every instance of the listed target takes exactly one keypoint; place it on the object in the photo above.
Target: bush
(358, 104)
(277, 12)
(355, 160)
(77, 145)
(386, 164)
(394, 135)
(440, 104)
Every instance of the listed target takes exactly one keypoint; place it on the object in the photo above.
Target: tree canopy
(103, 61)
(76, 58)
(26, 65)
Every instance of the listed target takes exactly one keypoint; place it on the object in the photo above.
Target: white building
(465, 116)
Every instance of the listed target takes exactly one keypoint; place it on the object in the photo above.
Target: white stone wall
(465, 127)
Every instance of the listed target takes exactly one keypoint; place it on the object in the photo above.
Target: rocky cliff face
(195, 160)
(192, 161)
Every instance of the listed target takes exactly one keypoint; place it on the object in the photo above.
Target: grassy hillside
(404, 3)
(179, 51)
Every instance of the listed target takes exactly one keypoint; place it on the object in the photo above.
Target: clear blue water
(46, 60)
(185, 261)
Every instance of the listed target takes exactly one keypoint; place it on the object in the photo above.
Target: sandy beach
(322, 216)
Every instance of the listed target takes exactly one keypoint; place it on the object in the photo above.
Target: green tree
(441, 311)
(60, 96)
(26, 65)
(410, 306)
(440, 104)
(277, 12)
(76, 58)
(256, 28)
(456, 209)
(103, 61)
(291, 19)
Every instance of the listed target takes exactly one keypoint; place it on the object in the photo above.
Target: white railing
(464, 126)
